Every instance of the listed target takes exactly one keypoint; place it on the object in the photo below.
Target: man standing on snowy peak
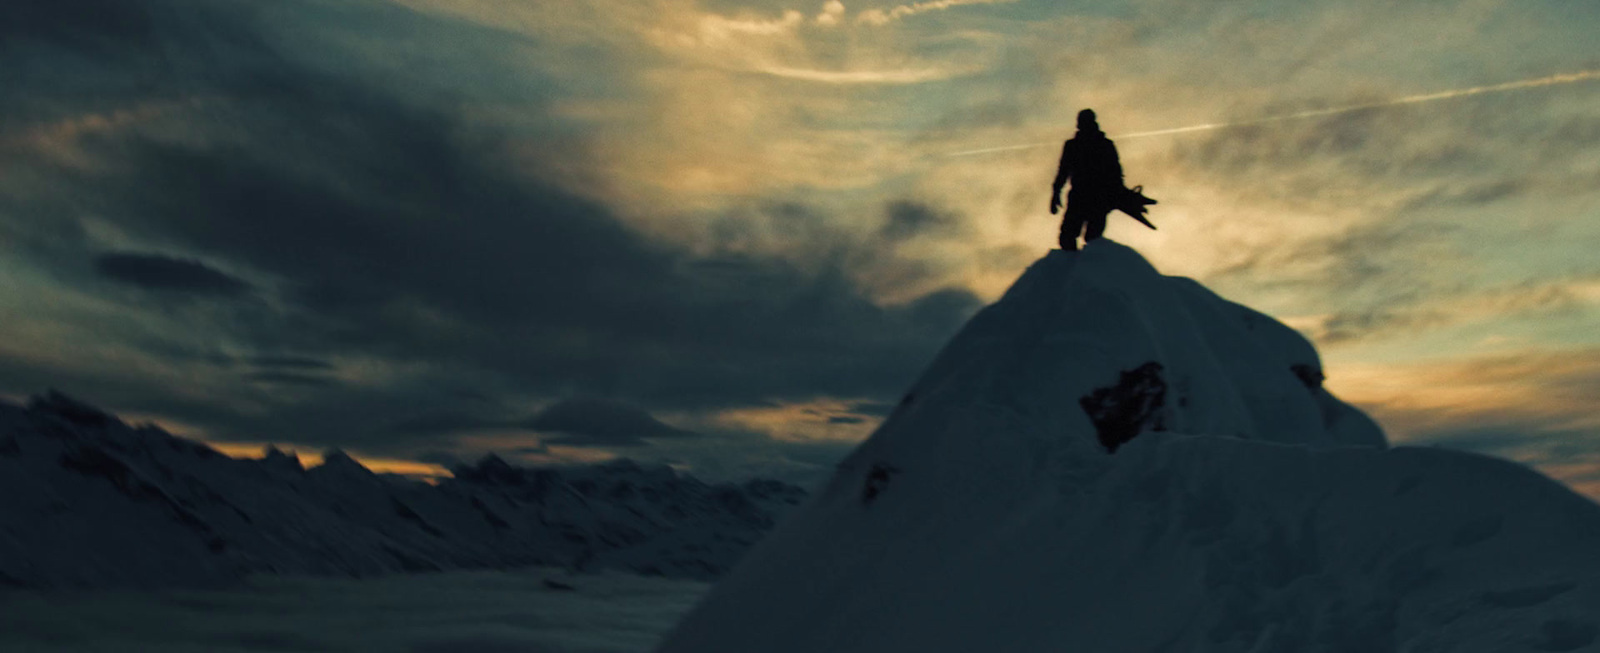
(1089, 159)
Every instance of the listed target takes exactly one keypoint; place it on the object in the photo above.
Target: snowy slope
(1108, 459)
(534, 610)
(87, 501)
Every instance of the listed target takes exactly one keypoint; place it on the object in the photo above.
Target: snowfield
(451, 612)
(1108, 459)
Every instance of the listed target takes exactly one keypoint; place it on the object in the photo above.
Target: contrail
(1552, 80)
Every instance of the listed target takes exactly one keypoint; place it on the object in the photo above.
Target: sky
(727, 234)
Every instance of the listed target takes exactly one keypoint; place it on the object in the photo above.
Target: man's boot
(1069, 239)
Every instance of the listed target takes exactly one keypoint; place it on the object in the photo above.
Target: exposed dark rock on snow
(1309, 375)
(1132, 406)
(877, 481)
(88, 501)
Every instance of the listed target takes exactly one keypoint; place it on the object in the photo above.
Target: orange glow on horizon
(257, 450)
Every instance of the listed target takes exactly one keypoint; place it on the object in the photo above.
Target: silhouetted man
(1089, 159)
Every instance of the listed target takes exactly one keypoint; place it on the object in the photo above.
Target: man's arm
(1063, 171)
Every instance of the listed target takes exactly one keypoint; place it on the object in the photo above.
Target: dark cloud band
(379, 225)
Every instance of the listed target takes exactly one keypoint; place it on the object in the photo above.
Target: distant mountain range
(89, 501)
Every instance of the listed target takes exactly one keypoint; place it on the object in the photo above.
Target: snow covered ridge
(88, 501)
(1108, 459)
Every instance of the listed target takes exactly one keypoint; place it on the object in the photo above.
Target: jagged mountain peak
(336, 461)
(276, 458)
(489, 469)
(57, 404)
(92, 502)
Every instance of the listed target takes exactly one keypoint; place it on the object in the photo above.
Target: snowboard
(1133, 202)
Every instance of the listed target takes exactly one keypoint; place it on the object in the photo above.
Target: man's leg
(1097, 227)
(1071, 224)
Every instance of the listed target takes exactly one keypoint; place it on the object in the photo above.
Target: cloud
(917, 75)
(1548, 80)
(832, 11)
(790, 47)
(1461, 169)
(164, 273)
(454, 276)
(886, 16)
(444, 422)
(715, 28)
(1526, 387)
(445, 459)
(1435, 311)
(290, 362)
(1530, 405)
(91, 25)
(473, 208)
(907, 219)
(293, 378)
(592, 422)
(872, 408)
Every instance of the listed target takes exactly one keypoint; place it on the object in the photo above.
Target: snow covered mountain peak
(1089, 349)
(89, 501)
(1108, 459)
(275, 458)
(335, 462)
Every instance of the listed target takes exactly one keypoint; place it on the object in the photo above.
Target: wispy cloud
(1533, 406)
(1537, 82)
(60, 140)
(890, 76)
(1497, 304)
(716, 28)
(1521, 391)
(168, 274)
(792, 47)
(832, 12)
(886, 16)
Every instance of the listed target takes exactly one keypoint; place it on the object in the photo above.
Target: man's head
(1086, 120)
